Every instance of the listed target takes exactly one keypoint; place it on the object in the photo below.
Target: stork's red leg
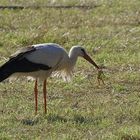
(36, 93)
(45, 96)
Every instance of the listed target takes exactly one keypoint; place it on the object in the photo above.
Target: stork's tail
(6, 71)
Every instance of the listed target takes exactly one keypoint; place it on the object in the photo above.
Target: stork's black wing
(19, 63)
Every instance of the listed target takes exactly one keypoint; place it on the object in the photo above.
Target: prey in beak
(100, 71)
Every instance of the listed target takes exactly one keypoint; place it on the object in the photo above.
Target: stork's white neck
(73, 57)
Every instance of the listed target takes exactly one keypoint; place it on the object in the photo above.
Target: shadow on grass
(30, 122)
(87, 120)
(56, 118)
(79, 119)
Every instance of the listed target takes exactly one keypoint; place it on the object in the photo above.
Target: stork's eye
(83, 51)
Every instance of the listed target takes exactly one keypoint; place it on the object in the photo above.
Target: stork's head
(80, 51)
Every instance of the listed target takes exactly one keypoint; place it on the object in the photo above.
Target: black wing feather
(19, 63)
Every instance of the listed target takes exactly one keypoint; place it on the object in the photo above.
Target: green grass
(80, 109)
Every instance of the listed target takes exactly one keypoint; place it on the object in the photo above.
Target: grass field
(79, 110)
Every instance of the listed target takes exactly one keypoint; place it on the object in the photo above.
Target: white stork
(40, 61)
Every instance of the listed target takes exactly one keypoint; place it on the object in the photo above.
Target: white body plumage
(51, 55)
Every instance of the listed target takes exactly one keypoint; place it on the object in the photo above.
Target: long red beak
(88, 58)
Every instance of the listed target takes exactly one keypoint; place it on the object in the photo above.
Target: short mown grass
(80, 109)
